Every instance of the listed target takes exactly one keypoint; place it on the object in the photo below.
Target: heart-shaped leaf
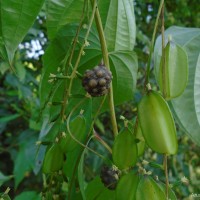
(119, 24)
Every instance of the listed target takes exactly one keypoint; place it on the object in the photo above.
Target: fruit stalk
(166, 175)
(163, 52)
(106, 62)
(152, 44)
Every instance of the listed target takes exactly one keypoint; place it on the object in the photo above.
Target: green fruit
(149, 189)
(157, 123)
(77, 129)
(173, 78)
(126, 188)
(141, 143)
(53, 160)
(124, 150)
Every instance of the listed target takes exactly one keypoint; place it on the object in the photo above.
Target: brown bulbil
(97, 81)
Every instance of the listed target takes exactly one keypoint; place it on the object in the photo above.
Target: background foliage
(20, 105)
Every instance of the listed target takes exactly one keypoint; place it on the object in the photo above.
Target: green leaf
(196, 89)
(184, 105)
(120, 28)
(4, 178)
(21, 166)
(28, 195)
(123, 64)
(17, 16)
(96, 190)
(78, 130)
(9, 118)
(62, 12)
(25, 159)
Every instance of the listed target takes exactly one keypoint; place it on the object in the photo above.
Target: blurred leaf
(197, 90)
(4, 178)
(28, 195)
(184, 105)
(9, 118)
(62, 12)
(120, 28)
(17, 16)
(25, 159)
(4, 66)
(21, 166)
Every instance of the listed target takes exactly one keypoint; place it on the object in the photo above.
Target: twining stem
(84, 145)
(152, 43)
(163, 52)
(166, 176)
(107, 64)
(73, 74)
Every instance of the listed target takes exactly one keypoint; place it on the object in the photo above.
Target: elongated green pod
(157, 123)
(77, 129)
(148, 189)
(53, 160)
(124, 152)
(127, 186)
(174, 76)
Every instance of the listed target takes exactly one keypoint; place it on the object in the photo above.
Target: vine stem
(107, 64)
(73, 74)
(152, 43)
(163, 52)
(166, 176)
(84, 145)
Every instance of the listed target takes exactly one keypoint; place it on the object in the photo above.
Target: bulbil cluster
(97, 81)
(109, 177)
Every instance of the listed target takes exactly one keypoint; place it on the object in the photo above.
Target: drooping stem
(163, 52)
(166, 176)
(152, 43)
(107, 64)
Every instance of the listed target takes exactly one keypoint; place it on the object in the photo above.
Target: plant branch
(166, 176)
(163, 52)
(152, 44)
(107, 64)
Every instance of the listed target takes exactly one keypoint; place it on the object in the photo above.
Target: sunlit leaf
(184, 105)
(119, 20)
(17, 16)
(62, 12)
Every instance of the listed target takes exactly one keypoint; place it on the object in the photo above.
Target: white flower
(184, 180)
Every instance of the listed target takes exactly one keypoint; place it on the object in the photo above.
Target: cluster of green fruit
(154, 127)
